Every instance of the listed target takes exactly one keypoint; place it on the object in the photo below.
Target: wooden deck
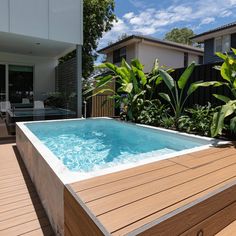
(185, 195)
(4, 135)
(21, 212)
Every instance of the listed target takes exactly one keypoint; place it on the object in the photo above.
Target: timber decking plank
(112, 178)
(45, 231)
(16, 193)
(108, 192)
(16, 188)
(192, 217)
(22, 219)
(123, 201)
(230, 230)
(21, 211)
(196, 162)
(126, 215)
(17, 198)
(25, 227)
(125, 184)
(214, 223)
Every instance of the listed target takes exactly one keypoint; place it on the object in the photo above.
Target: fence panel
(203, 95)
(102, 106)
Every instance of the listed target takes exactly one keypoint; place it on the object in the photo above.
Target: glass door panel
(20, 83)
(2, 83)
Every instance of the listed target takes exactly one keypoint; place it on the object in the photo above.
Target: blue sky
(156, 17)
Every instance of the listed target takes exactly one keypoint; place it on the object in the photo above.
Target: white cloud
(150, 20)
(128, 15)
(207, 20)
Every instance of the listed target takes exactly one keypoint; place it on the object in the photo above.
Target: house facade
(147, 49)
(33, 35)
(221, 39)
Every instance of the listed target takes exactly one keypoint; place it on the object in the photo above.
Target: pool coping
(67, 177)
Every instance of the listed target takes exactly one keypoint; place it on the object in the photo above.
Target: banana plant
(228, 74)
(133, 84)
(176, 96)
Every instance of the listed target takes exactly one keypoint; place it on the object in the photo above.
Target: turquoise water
(89, 145)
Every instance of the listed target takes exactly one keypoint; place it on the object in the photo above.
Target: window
(20, 83)
(185, 59)
(223, 44)
(119, 54)
(200, 60)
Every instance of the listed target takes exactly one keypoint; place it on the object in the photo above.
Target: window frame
(118, 58)
(222, 41)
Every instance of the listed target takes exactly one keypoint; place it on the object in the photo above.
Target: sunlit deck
(180, 196)
(21, 212)
(184, 195)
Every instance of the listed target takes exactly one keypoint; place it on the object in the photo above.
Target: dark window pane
(20, 83)
(2, 83)
(119, 54)
(185, 59)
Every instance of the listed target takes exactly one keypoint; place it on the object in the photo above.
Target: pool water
(94, 144)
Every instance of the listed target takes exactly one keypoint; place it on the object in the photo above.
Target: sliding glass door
(2, 83)
(20, 83)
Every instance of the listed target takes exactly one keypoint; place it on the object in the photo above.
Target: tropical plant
(151, 112)
(198, 119)
(177, 97)
(228, 73)
(133, 84)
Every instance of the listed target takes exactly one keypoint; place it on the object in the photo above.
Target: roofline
(215, 30)
(167, 43)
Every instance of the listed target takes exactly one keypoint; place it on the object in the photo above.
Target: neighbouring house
(147, 49)
(33, 35)
(221, 39)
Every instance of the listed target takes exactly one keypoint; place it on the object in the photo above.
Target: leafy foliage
(197, 120)
(228, 73)
(176, 96)
(151, 112)
(133, 83)
(180, 35)
(98, 18)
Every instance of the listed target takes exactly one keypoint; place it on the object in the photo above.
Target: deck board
(230, 230)
(127, 200)
(21, 212)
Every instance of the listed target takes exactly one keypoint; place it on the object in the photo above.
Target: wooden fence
(102, 106)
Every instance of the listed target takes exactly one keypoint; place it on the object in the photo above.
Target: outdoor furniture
(32, 114)
(4, 107)
(21, 105)
(38, 105)
(25, 101)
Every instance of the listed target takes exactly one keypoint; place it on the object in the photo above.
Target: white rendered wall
(44, 71)
(59, 20)
(169, 57)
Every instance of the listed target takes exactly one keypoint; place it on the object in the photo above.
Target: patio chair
(25, 101)
(4, 107)
(38, 105)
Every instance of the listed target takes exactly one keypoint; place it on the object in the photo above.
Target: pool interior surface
(94, 144)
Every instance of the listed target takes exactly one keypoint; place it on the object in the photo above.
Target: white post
(79, 79)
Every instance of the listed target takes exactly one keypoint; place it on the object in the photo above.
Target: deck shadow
(46, 229)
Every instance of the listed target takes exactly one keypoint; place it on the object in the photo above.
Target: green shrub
(197, 120)
(151, 112)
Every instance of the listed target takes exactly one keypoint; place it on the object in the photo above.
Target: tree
(98, 18)
(180, 35)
